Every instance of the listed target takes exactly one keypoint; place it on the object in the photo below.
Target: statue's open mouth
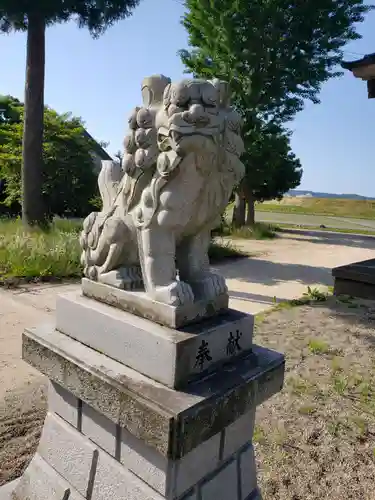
(177, 134)
(177, 137)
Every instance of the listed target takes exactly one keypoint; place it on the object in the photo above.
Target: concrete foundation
(113, 433)
(356, 279)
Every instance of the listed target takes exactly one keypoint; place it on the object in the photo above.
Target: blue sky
(99, 80)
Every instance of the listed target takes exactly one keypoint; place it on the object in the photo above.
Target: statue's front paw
(210, 285)
(177, 293)
(91, 272)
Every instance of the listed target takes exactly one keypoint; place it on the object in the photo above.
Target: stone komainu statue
(181, 163)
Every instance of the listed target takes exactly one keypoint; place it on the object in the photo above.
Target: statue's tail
(108, 181)
(86, 236)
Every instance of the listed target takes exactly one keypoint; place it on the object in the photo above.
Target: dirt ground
(315, 440)
(22, 415)
(283, 268)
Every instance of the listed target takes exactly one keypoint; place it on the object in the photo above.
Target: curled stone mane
(181, 162)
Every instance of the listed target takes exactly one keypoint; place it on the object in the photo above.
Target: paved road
(315, 220)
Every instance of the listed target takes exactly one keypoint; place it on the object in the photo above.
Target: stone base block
(172, 357)
(356, 279)
(40, 481)
(138, 302)
(354, 289)
(7, 490)
(114, 434)
(168, 477)
(68, 465)
(170, 421)
(108, 481)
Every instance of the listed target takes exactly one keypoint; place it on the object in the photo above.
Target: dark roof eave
(98, 149)
(365, 61)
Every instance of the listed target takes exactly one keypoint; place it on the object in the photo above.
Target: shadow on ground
(255, 297)
(271, 273)
(341, 239)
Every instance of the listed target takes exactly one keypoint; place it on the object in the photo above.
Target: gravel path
(19, 309)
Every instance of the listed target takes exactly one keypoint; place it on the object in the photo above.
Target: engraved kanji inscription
(203, 355)
(233, 345)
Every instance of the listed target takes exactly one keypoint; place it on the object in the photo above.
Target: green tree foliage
(34, 16)
(69, 181)
(276, 54)
(272, 169)
(10, 109)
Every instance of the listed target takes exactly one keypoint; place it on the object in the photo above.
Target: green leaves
(286, 48)
(10, 109)
(68, 169)
(271, 166)
(275, 54)
(34, 16)
(96, 15)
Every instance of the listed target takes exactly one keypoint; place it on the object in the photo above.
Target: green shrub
(55, 253)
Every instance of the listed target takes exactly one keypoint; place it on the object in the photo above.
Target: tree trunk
(250, 217)
(238, 219)
(33, 212)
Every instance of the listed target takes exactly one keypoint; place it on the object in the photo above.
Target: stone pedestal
(356, 279)
(139, 411)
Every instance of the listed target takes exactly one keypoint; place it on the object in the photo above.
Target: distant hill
(315, 194)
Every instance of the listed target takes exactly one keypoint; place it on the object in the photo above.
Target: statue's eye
(209, 96)
(179, 95)
(209, 101)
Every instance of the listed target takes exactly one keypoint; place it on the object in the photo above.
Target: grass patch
(311, 296)
(336, 365)
(307, 410)
(340, 383)
(224, 250)
(361, 427)
(259, 231)
(38, 255)
(335, 427)
(259, 435)
(298, 386)
(315, 295)
(361, 209)
(317, 346)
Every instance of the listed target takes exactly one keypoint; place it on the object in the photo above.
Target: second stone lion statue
(181, 163)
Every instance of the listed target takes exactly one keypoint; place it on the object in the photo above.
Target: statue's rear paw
(210, 285)
(126, 278)
(177, 293)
